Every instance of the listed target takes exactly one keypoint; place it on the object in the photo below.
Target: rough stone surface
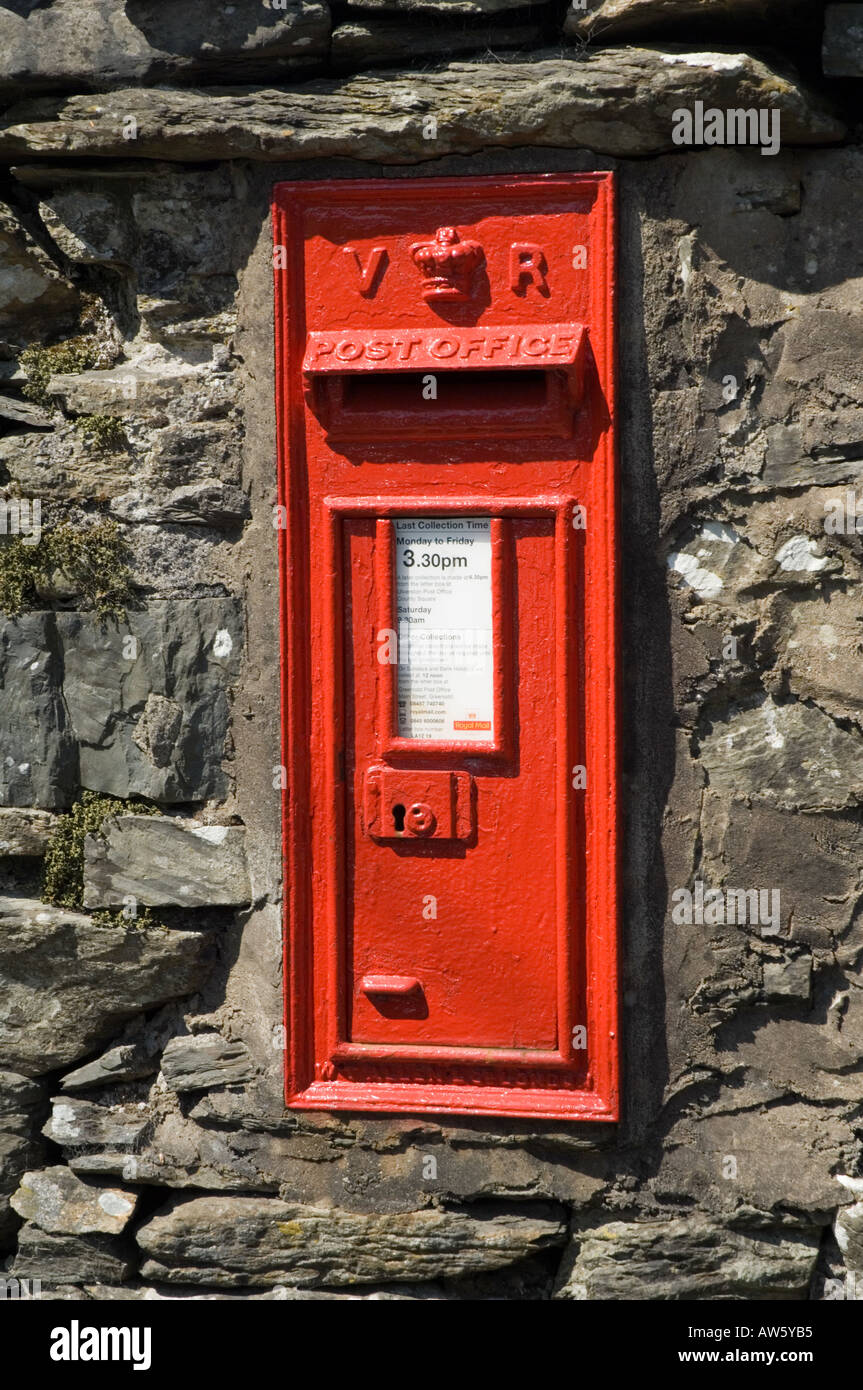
(67, 1259)
(688, 1259)
(128, 1062)
(21, 1102)
(204, 1060)
(138, 707)
(842, 52)
(35, 296)
(54, 1199)
(66, 983)
(74, 1122)
(154, 723)
(96, 43)
(791, 756)
(163, 860)
(849, 1226)
(233, 1241)
(25, 832)
(617, 102)
(38, 764)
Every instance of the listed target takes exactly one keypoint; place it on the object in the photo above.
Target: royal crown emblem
(447, 264)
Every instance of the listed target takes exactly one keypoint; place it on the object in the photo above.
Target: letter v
(369, 273)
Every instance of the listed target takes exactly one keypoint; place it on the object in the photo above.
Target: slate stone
(55, 1199)
(848, 1226)
(201, 1061)
(127, 1062)
(21, 1104)
(66, 983)
(614, 101)
(25, 831)
(18, 1094)
(90, 226)
(206, 503)
(687, 1258)
(25, 413)
(233, 1241)
(162, 860)
(790, 755)
(65, 1259)
(89, 44)
(75, 1122)
(38, 761)
(789, 979)
(153, 723)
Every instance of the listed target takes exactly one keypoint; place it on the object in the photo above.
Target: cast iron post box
(445, 355)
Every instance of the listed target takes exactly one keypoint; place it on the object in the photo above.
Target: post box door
(452, 875)
(446, 511)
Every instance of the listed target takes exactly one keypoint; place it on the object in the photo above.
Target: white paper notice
(443, 597)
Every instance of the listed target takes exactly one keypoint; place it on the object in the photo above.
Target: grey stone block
(91, 44)
(165, 861)
(147, 699)
(65, 1259)
(687, 1258)
(231, 1241)
(75, 1122)
(128, 1062)
(38, 760)
(55, 1199)
(67, 983)
(204, 1060)
(792, 756)
(25, 831)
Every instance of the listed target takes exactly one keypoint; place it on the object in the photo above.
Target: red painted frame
(317, 1050)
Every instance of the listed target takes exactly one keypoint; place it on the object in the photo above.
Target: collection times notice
(444, 614)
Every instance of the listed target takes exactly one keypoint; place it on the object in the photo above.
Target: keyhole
(399, 819)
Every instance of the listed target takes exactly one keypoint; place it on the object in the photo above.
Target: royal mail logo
(555, 344)
(471, 723)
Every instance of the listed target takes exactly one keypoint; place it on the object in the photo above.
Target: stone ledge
(235, 1241)
(614, 101)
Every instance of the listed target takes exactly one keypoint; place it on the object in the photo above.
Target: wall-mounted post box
(445, 410)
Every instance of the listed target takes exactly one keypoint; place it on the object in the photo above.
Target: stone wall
(143, 1142)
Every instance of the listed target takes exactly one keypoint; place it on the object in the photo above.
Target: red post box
(445, 365)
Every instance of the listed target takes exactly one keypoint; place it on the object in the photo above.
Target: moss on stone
(95, 559)
(103, 433)
(19, 571)
(41, 363)
(63, 867)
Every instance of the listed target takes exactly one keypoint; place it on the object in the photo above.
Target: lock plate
(405, 805)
